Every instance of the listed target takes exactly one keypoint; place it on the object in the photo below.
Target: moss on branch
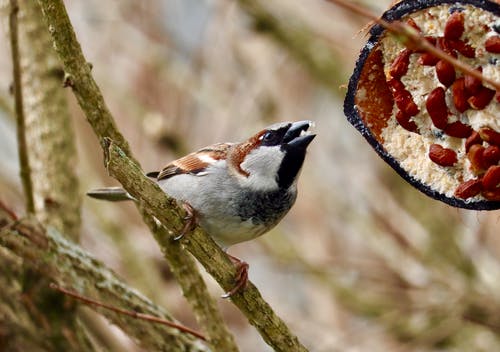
(54, 257)
(250, 302)
(121, 166)
(78, 75)
(79, 78)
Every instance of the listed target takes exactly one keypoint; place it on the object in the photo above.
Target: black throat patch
(290, 167)
(266, 207)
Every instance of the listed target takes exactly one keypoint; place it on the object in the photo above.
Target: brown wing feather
(196, 162)
(169, 171)
(217, 151)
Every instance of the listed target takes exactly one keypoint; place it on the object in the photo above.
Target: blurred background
(363, 262)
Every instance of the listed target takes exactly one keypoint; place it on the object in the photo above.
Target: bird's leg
(190, 220)
(241, 277)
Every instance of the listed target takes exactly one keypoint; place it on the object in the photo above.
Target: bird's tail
(112, 194)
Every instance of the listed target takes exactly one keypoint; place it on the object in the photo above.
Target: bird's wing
(194, 163)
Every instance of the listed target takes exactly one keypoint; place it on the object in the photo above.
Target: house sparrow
(238, 191)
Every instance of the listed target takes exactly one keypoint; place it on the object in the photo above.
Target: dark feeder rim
(395, 13)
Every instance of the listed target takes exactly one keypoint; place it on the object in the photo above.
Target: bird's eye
(270, 138)
(268, 135)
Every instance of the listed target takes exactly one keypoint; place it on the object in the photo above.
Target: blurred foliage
(361, 254)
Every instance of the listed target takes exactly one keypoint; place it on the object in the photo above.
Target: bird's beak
(297, 136)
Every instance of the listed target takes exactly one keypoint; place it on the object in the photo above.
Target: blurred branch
(270, 326)
(49, 131)
(130, 313)
(484, 311)
(78, 75)
(193, 287)
(412, 39)
(17, 331)
(79, 78)
(46, 152)
(5, 106)
(305, 45)
(320, 59)
(463, 297)
(19, 108)
(70, 266)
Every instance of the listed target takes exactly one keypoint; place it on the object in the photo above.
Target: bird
(235, 191)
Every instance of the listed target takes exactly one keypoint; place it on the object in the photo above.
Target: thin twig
(64, 262)
(19, 109)
(194, 289)
(411, 36)
(130, 313)
(9, 211)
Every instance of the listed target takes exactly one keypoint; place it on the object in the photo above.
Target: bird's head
(271, 159)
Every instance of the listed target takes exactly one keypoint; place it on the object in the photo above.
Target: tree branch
(193, 287)
(131, 313)
(314, 52)
(79, 78)
(69, 266)
(259, 313)
(78, 75)
(19, 108)
(18, 332)
(273, 330)
(49, 131)
(47, 141)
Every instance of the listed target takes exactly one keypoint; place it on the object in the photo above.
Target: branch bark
(193, 287)
(79, 78)
(46, 149)
(68, 265)
(19, 109)
(77, 73)
(273, 330)
(250, 302)
(49, 131)
(18, 332)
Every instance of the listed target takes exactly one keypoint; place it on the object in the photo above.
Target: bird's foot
(241, 277)
(190, 221)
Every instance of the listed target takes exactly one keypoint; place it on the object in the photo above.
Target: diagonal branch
(250, 302)
(193, 287)
(131, 313)
(313, 51)
(273, 330)
(79, 78)
(68, 265)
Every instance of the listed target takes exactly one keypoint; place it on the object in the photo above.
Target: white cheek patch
(262, 166)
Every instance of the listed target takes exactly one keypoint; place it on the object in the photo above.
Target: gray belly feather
(231, 216)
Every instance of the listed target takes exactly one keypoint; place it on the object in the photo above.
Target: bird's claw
(241, 277)
(190, 221)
